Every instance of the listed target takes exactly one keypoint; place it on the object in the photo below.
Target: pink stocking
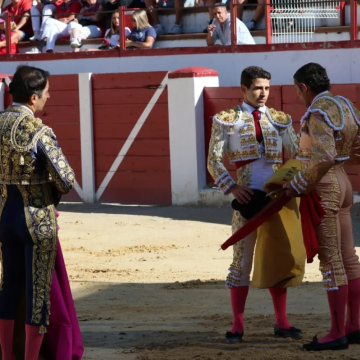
(238, 300)
(6, 338)
(279, 301)
(337, 303)
(353, 306)
(33, 342)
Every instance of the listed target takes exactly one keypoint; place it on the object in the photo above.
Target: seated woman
(86, 24)
(15, 38)
(57, 28)
(143, 35)
(111, 40)
(42, 11)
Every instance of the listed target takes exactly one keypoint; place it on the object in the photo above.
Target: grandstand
(289, 21)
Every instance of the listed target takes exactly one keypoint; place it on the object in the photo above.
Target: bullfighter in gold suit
(33, 174)
(329, 137)
(253, 137)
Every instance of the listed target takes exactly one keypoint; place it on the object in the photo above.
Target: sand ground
(148, 283)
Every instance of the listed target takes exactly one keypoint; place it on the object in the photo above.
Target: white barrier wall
(186, 137)
(186, 125)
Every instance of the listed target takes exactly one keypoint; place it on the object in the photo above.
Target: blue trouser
(17, 255)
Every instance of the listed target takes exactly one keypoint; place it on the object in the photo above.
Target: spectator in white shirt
(221, 29)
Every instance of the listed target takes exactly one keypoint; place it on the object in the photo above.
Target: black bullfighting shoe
(353, 337)
(338, 344)
(287, 333)
(232, 338)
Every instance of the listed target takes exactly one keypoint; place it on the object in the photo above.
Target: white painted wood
(87, 139)
(186, 131)
(2, 96)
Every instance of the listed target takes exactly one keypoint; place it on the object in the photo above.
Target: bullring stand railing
(233, 11)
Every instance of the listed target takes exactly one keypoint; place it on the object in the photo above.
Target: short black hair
(28, 81)
(252, 73)
(219, 4)
(314, 76)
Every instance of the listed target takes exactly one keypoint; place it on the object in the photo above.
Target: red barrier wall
(118, 101)
(281, 98)
(62, 114)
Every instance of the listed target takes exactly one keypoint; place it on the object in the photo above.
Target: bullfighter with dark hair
(253, 137)
(329, 137)
(33, 174)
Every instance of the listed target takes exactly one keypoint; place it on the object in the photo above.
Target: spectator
(107, 7)
(85, 25)
(59, 27)
(20, 9)
(166, 4)
(221, 29)
(211, 3)
(143, 35)
(15, 36)
(112, 34)
(46, 8)
(111, 40)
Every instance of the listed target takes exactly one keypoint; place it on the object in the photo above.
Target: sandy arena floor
(148, 283)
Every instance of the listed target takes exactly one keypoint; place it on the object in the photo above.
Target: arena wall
(142, 138)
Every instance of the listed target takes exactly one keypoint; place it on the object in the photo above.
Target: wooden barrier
(119, 100)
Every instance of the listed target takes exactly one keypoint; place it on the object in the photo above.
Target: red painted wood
(126, 96)
(65, 132)
(137, 180)
(353, 21)
(63, 82)
(138, 197)
(135, 163)
(261, 48)
(268, 30)
(63, 98)
(128, 80)
(233, 32)
(347, 90)
(121, 131)
(138, 187)
(140, 147)
(192, 71)
(129, 114)
(72, 196)
(144, 174)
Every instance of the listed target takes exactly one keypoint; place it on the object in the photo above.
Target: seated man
(221, 29)
(59, 27)
(166, 4)
(20, 9)
(42, 11)
(86, 24)
(211, 3)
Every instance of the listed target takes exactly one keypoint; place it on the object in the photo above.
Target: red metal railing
(233, 13)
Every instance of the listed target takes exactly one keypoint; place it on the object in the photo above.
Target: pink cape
(63, 339)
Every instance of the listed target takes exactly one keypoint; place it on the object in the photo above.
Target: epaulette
(26, 131)
(228, 117)
(330, 109)
(279, 118)
(354, 111)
